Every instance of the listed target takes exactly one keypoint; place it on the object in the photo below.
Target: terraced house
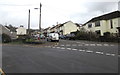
(67, 28)
(105, 23)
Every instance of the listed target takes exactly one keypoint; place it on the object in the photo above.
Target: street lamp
(39, 18)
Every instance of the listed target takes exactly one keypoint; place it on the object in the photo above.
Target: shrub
(6, 38)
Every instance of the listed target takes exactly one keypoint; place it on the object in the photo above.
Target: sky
(15, 12)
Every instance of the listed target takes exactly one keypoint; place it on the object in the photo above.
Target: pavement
(63, 57)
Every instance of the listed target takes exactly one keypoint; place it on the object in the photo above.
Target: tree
(6, 38)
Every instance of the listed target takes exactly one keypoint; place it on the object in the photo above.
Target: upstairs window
(89, 25)
(97, 23)
(111, 24)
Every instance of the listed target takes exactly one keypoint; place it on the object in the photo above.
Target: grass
(16, 42)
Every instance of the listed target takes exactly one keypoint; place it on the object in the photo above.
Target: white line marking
(89, 51)
(82, 50)
(69, 48)
(92, 44)
(62, 48)
(99, 52)
(61, 45)
(99, 44)
(68, 45)
(108, 54)
(112, 45)
(112, 54)
(74, 49)
(57, 47)
(106, 45)
(86, 44)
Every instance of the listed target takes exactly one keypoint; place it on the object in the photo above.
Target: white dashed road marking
(57, 47)
(82, 50)
(62, 48)
(68, 45)
(99, 44)
(86, 44)
(112, 45)
(74, 49)
(108, 54)
(69, 48)
(89, 51)
(112, 54)
(99, 52)
(106, 45)
(92, 44)
(62, 45)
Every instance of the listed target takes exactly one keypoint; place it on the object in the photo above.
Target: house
(46, 31)
(63, 29)
(21, 30)
(6, 30)
(12, 31)
(52, 29)
(67, 28)
(105, 23)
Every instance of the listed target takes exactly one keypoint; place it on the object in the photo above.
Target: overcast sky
(15, 12)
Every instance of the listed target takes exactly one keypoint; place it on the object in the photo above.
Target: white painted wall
(21, 31)
(105, 26)
(69, 27)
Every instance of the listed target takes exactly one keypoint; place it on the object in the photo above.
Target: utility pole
(29, 22)
(40, 18)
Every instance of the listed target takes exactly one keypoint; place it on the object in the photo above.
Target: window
(89, 25)
(97, 23)
(98, 32)
(111, 24)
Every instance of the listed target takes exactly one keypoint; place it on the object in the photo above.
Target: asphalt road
(64, 57)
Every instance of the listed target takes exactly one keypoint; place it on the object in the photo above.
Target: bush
(6, 38)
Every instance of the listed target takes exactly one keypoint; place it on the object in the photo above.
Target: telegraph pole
(29, 22)
(40, 19)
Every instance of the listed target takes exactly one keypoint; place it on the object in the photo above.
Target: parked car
(53, 37)
(70, 36)
(62, 37)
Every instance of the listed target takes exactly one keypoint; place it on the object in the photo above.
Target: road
(64, 57)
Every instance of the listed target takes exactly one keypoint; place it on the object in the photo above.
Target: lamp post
(39, 18)
(29, 22)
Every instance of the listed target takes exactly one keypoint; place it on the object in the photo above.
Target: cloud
(15, 12)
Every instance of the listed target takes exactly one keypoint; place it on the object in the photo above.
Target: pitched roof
(108, 16)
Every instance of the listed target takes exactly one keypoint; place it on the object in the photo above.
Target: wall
(21, 31)
(69, 27)
(105, 26)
